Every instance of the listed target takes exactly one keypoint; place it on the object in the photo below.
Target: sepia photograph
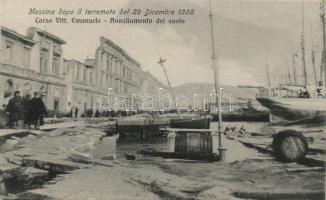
(162, 99)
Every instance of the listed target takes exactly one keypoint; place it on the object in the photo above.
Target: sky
(249, 35)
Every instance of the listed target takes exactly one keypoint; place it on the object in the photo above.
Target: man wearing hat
(37, 110)
(15, 110)
(27, 110)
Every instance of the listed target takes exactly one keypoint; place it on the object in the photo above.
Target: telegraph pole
(294, 69)
(268, 76)
(303, 48)
(161, 62)
(313, 58)
(323, 61)
(222, 150)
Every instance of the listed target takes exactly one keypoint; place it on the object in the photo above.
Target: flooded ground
(246, 174)
(238, 151)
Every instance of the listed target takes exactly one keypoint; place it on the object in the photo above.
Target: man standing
(27, 110)
(15, 110)
(37, 110)
(69, 110)
(76, 112)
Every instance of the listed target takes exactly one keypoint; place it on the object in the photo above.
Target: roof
(17, 35)
(89, 62)
(74, 61)
(123, 52)
(32, 30)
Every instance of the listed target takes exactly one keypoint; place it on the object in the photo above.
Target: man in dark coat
(15, 110)
(97, 113)
(38, 110)
(27, 110)
(76, 112)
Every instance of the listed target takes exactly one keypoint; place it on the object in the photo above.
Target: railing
(21, 72)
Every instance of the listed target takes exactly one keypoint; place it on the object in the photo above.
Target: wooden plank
(305, 169)
(190, 130)
(59, 166)
(281, 195)
(7, 133)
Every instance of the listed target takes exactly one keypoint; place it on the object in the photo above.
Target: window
(103, 80)
(126, 89)
(8, 51)
(55, 65)
(108, 80)
(85, 75)
(121, 86)
(116, 85)
(43, 62)
(91, 80)
(78, 73)
(27, 55)
(124, 72)
(108, 65)
(8, 88)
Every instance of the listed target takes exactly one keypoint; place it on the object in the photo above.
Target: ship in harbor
(300, 102)
(295, 108)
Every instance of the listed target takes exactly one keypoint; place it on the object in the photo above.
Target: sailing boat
(189, 121)
(310, 103)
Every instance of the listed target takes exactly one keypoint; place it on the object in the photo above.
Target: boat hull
(142, 127)
(295, 108)
(145, 126)
(202, 122)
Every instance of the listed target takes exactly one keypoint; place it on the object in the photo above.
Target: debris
(280, 195)
(108, 157)
(304, 169)
(130, 157)
(9, 145)
(84, 158)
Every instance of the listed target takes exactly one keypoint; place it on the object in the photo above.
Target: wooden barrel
(290, 146)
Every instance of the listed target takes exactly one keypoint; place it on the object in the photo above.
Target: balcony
(20, 72)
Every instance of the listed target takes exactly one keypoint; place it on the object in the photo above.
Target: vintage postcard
(162, 99)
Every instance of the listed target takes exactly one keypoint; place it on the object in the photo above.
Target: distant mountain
(192, 89)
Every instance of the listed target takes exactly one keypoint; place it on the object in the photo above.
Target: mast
(288, 73)
(268, 76)
(323, 61)
(294, 69)
(313, 58)
(161, 62)
(217, 84)
(303, 48)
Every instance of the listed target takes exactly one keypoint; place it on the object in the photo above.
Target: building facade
(117, 71)
(32, 63)
(35, 63)
(81, 88)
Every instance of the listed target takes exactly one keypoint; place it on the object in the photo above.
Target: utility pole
(222, 150)
(268, 76)
(303, 48)
(294, 68)
(323, 61)
(288, 73)
(313, 58)
(161, 62)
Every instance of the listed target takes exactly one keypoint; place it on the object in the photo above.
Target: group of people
(25, 111)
